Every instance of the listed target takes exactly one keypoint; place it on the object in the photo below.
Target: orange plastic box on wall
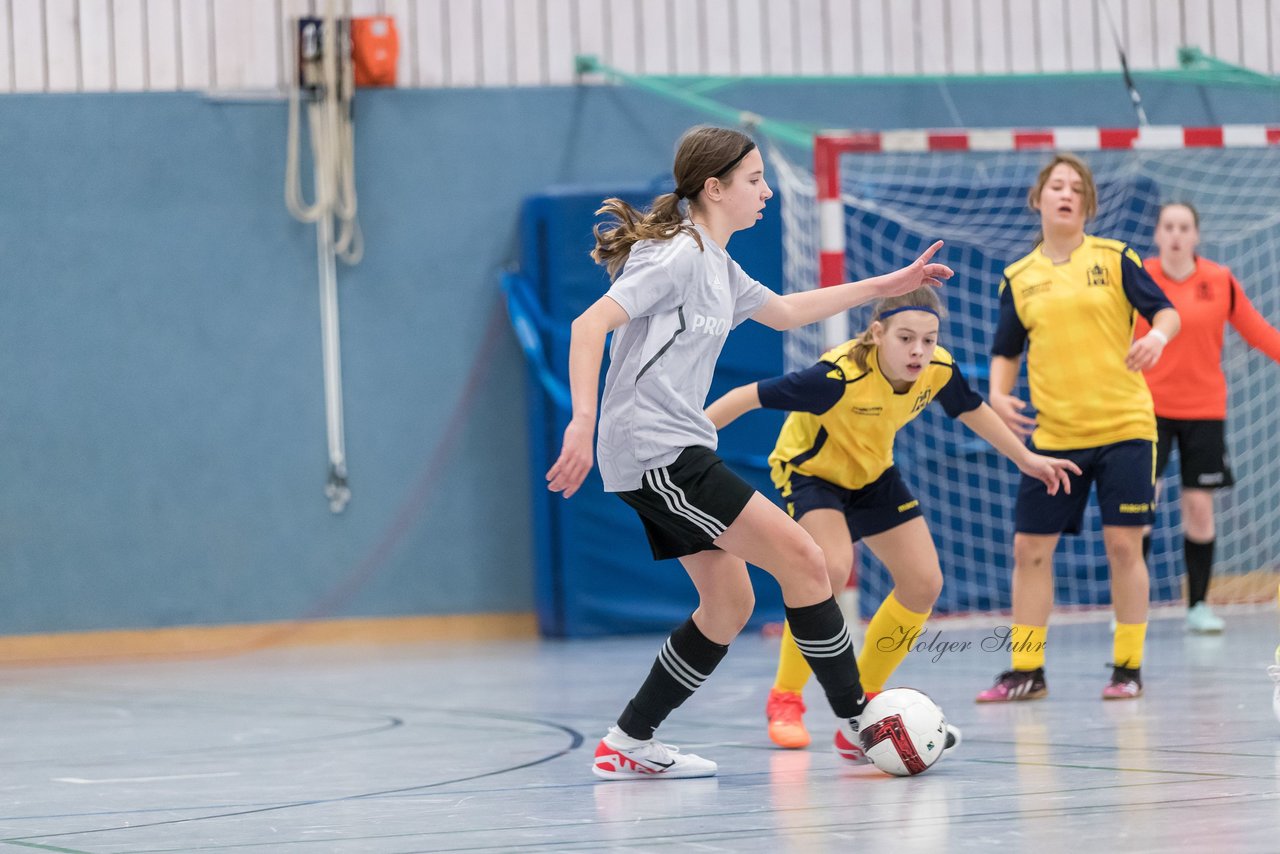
(375, 50)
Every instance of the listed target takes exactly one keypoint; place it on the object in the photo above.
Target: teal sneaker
(1202, 621)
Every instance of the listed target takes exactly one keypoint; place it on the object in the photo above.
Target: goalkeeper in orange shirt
(1190, 391)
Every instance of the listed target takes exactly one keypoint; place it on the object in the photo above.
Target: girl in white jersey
(676, 293)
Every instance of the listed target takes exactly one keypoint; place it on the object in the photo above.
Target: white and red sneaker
(621, 757)
(847, 744)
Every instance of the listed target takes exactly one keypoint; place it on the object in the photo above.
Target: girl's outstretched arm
(804, 307)
(1051, 471)
(733, 404)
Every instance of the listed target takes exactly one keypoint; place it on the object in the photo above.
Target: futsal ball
(903, 732)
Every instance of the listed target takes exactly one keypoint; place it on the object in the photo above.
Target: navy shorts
(883, 504)
(687, 505)
(1124, 473)
(1202, 450)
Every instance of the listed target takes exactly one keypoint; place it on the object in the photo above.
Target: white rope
(332, 138)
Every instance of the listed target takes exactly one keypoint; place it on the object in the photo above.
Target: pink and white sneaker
(847, 744)
(1126, 684)
(1014, 685)
(621, 757)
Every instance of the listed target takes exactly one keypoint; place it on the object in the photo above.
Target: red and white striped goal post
(828, 146)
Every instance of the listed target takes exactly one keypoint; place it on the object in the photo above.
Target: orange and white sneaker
(847, 743)
(621, 757)
(785, 710)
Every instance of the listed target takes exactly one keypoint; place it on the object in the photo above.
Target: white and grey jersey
(681, 302)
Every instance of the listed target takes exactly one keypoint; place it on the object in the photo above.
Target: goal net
(873, 202)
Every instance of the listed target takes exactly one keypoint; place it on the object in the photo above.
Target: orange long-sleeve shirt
(1187, 382)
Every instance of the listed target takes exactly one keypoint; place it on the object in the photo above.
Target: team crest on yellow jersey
(1098, 276)
(922, 401)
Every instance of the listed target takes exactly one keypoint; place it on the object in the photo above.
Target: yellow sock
(793, 670)
(1127, 649)
(890, 635)
(1028, 646)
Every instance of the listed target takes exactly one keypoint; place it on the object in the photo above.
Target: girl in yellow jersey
(1071, 304)
(833, 466)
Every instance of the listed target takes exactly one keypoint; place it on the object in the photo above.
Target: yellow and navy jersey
(843, 418)
(1075, 320)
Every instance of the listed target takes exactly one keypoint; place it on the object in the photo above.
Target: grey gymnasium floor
(486, 747)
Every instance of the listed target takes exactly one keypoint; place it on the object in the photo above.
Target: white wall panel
(813, 57)
(993, 49)
(128, 41)
(1052, 21)
(26, 20)
(904, 40)
(246, 40)
(1273, 38)
(127, 45)
(432, 45)
(934, 27)
(873, 56)
(561, 41)
(749, 34)
(1023, 38)
(838, 38)
(493, 24)
(162, 44)
(685, 26)
(1226, 30)
(462, 43)
(196, 44)
(1197, 23)
(62, 33)
(1253, 16)
(6, 46)
(1167, 34)
(779, 31)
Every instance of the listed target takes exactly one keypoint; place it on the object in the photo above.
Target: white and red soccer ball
(903, 732)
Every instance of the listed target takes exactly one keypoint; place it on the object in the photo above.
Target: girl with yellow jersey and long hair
(833, 467)
(1071, 304)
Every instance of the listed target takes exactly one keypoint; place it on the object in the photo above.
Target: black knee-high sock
(684, 662)
(1146, 547)
(822, 636)
(1199, 558)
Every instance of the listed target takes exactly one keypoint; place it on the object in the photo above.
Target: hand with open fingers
(1009, 408)
(1051, 471)
(1144, 352)
(575, 460)
(919, 272)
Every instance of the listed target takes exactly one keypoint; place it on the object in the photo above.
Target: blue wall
(162, 445)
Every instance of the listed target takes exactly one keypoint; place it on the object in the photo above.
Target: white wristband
(1164, 339)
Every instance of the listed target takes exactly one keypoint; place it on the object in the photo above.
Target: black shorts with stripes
(685, 506)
